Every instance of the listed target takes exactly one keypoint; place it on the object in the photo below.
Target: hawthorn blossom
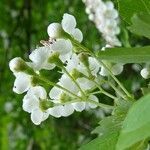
(32, 103)
(105, 16)
(68, 25)
(23, 80)
(40, 56)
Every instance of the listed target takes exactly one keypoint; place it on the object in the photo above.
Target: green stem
(104, 65)
(117, 81)
(90, 101)
(64, 69)
(115, 89)
(57, 85)
(103, 91)
(79, 99)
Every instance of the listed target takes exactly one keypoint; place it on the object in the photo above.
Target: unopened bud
(17, 65)
(84, 59)
(76, 74)
(54, 30)
(145, 73)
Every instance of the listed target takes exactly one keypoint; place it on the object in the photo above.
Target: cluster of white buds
(79, 78)
(105, 17)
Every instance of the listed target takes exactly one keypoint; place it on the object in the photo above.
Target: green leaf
(102, 143)
(127, 8)
(141, 25)
(126, 55)
(136, 127)
(109, 129)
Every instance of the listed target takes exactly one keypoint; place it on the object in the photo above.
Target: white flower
(31, 104)
(39, 57)
(54, 30)
(145, 73)
(22, 83)
(105, 17)
(69, 26)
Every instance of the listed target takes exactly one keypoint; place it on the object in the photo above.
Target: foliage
(22, 26)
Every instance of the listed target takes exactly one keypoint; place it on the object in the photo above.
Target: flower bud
(145, 73)
(84, 59)
(54, 59)
(76, 74)
(17, 65)
(54, 30)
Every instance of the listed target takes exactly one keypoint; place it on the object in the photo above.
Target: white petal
(79, 106)
(85, 83)
(45, 115)
(94, 66)
(68, 110)
(117, 69)
(62, 46)
(37, 91)
(93, 98)
(73, 62)
(40, 57)
(68, 23)
(14, 63)
(39, 54)
(145, 73)
(22, 83)
(103, 72)
(109, 5)
(67, 83)
(55, 93)
(66, 57)
(54, 30)
(56, 111)
(77, 34)
(37, 116)
(30, 103)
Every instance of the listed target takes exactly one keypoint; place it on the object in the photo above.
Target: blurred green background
(23, 24)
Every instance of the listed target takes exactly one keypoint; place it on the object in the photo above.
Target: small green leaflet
(136, 127)
(125, 55)
(141, 24)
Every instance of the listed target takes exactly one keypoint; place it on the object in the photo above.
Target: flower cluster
(79, 74)
(105, 17)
